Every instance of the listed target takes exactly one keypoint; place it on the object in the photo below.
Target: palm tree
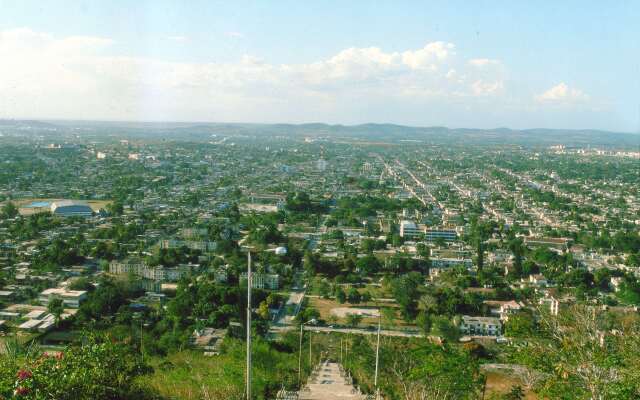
(428, 303)
(56, 307)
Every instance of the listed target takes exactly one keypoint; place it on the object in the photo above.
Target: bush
(97, 370)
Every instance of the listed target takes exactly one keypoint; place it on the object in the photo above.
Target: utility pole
(300, 358)
(312, 321)
(346, 348)
(309, 349)
(375, 381)
(141, 338)
(249, 277)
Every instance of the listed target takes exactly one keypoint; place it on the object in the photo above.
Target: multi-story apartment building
(481, 326)
(262, 281)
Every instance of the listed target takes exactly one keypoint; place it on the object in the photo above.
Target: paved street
(360, 331)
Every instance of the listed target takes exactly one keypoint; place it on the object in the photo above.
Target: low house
(503, 309)
(616, 281)
(7, 295)
(480, 326)
(551, 302)
(35, 314)
(70, 298)
(30, 325)
(10, 316)
(209, 340)
(537, 280)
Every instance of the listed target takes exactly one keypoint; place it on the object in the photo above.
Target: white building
(157, 273)
(409, 229)
(616, 281)
(446, 262)
(480, 326)
(551, 302)
(448, 235)
(70, 298)
(262, 281)
(503, 309)
(191, 244)
(538, 280)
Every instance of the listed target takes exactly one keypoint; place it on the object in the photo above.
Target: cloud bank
(79, 77)
(562, 93)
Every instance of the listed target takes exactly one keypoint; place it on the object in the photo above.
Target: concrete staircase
(329, 382)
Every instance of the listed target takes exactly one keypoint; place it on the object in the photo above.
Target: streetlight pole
(377, 362)
(300, 358)
(309, 349)
(280, 251)
(249, 325)
(313, 321)
(141, 338)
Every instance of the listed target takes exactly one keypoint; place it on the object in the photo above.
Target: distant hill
(363, 132)
(391, 132)
(25, 124)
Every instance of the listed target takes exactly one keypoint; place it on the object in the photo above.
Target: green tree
(480, 255)
(517, 249)
(423, 321)
(520, 325)
(354, 319)
(81, 283)
(516, 393)
(97, 370)
(341, 296)
(9, 210)
(56, 308)
(263, 310)
(585, 352)
(443, 327)
(429, 371)
(324, 289)
(406, 291)
(353, 296)
(389, 316)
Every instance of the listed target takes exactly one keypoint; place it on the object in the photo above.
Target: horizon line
(115, 121)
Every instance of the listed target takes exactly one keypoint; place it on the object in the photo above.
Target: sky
(475, 64)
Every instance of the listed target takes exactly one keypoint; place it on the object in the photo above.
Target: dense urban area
(387, 262)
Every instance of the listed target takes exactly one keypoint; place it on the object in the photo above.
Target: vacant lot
(499, 383)
(329, 307)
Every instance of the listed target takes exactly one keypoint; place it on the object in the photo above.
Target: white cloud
(483, 62)
(429, 56)
(563, 94)
(76, 77)
(482, 88)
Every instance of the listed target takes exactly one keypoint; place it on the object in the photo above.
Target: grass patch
(191, 375)
(498, 384)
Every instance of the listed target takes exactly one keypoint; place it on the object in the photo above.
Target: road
(284, 320)
(359, 331)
